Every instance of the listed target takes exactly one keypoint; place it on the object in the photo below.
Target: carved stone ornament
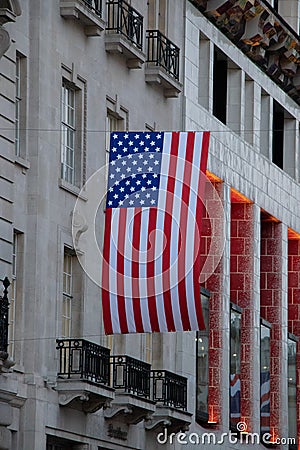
(9, 10)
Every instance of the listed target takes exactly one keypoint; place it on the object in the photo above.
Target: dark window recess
(275, 5)
(278, 128)
(220, 86)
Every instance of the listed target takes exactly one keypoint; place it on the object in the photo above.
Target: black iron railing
(169, 389)
(131, 375)
(162, 52)
(4, 304)
(84, 359)
(95, 6)
(124, 19)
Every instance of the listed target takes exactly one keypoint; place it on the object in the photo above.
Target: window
(202, 369)
(67, 295)
(278, 134)
(235, 366)
(12, 299)
(113, 123)
(292, 390)
(220, 85)
(59, 444)
(158, 15)
(68, 129)
(20, 105)
(265, 333)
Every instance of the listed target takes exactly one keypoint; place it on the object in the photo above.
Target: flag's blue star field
(134, 169)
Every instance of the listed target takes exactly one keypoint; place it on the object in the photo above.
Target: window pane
(292, 391)
(68, 134)
(235, 362)
(264, 379)
(202, 341)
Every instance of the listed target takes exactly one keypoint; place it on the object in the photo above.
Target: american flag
(151, 259)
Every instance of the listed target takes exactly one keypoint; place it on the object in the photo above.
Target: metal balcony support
(169, 389)
(4, 305)
(84, 359)
(162, 63)
(124, 19)
(131, 375)
(83, 375)
(169, 392)
(131, 381)
(162, 52)
(95, 6)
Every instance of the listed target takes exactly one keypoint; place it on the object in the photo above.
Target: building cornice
(262, 34)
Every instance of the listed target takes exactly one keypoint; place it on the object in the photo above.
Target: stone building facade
(71, 72)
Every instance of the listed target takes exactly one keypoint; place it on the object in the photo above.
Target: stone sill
(75, 190)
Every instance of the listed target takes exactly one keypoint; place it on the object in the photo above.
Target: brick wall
(271, 304)
(214, 285)
(241, 293)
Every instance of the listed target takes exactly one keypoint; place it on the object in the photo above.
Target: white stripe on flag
(190, 235)
(127, 270)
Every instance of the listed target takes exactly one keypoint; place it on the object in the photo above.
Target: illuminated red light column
(212, 225)
(271, 309)
(294, 304)
(242, 294)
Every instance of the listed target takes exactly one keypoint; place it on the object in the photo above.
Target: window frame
(20, 106)
(13, 297)
(67, 296)
(295, 340)
(236, 309)
(202, 417)
(68, 127)
(267, 325)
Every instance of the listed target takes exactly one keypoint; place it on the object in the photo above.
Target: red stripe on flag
(183, 228)
(151, 270)
(120, 270)
(136, 232)
(105, 276)
(199, 211)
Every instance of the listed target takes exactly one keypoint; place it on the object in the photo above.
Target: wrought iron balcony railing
(131, 375)
(162, 52)
(124, 19)
(95, 6)
(4, 304)
(169, 389)
(84, 359)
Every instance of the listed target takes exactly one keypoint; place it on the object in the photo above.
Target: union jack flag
(235, 398)
(265, 401)
(151, 254)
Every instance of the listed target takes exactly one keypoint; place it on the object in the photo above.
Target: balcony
(87, 12)
(5, 362)
(84, 375)
(131, 380)
(162, 63)
(262, 34)
(169, 391)
(124, 33)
